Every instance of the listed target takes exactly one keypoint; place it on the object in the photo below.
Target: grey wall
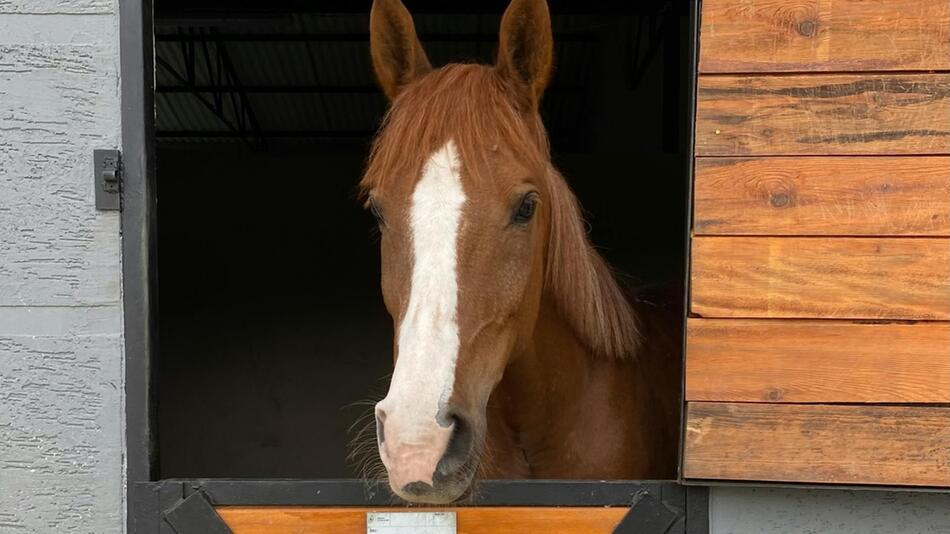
(60, 308)
(785, 511)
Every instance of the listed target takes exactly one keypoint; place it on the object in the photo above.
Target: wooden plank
(823, 196)
(739, 360)
(823, 114)
(840, 444)
(482, 520)
(839, 278)
(824, 35)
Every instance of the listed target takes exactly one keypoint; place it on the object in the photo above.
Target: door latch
(108, 174)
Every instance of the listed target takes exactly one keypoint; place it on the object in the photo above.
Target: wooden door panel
(843, 114)
(481, 520)
(838, 278)
(833, 196)
(817, 361)
(879, 445)
(824, 35)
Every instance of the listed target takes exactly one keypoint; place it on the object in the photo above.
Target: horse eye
(526, 209)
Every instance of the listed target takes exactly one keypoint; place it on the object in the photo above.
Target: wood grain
(738, 360)
(824, 35)
(823, 114)
(893, 445)
(840, 278)
(486, 520)
(823, 196)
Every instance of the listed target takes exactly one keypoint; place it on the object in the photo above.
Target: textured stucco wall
(786, 511)
(61, 386)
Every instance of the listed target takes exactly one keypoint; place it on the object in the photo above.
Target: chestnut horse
(516, 353)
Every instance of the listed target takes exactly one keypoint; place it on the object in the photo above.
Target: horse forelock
(468, 104)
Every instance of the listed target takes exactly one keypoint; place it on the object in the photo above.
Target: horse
(516, 352)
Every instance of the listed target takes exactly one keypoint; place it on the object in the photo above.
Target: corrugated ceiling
(308, 76)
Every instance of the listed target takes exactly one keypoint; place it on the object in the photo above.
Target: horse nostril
(380, 423)
(459, 448)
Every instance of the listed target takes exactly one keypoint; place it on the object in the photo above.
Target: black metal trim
(147, 502)
(486, 493)
(767, 484)
(649, 515)
(697, 510)
(695, 12)
(138, 247)
(187, 506)
(195, 515)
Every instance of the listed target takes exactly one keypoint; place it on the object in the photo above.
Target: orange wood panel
(844, 114)
(482, 520)
(823, 196)
(817, 361)
(824, 35)
(887, 445)
(800, 277)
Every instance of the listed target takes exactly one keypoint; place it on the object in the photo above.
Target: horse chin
(446, 488)
(438, 496)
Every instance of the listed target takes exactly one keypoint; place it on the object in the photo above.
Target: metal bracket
(107, 166)
(647, 516)
(682, 511)
(195, 515)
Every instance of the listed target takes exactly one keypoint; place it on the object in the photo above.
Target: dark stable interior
(273, 339)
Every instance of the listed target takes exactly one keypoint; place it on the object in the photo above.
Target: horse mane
(582, 283)
(474, 106)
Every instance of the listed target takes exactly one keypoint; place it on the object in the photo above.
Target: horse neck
(554, 361)
(553, 394)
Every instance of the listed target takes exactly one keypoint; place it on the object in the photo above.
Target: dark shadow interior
(271, 325)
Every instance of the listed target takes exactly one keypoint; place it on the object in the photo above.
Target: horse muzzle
(427, 461)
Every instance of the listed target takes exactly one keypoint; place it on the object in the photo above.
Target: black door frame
(187, 506)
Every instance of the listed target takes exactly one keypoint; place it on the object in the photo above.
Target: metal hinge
(108, 175)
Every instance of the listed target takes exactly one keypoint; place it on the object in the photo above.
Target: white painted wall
(61, 460)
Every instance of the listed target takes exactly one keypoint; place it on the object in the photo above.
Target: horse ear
(526, 46)
(398, 57)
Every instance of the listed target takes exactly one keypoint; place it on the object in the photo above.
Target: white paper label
(410, 523)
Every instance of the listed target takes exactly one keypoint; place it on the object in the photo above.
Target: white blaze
(429, 335)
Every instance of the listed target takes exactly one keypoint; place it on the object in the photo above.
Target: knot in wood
(806, 28)
(779, 199)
